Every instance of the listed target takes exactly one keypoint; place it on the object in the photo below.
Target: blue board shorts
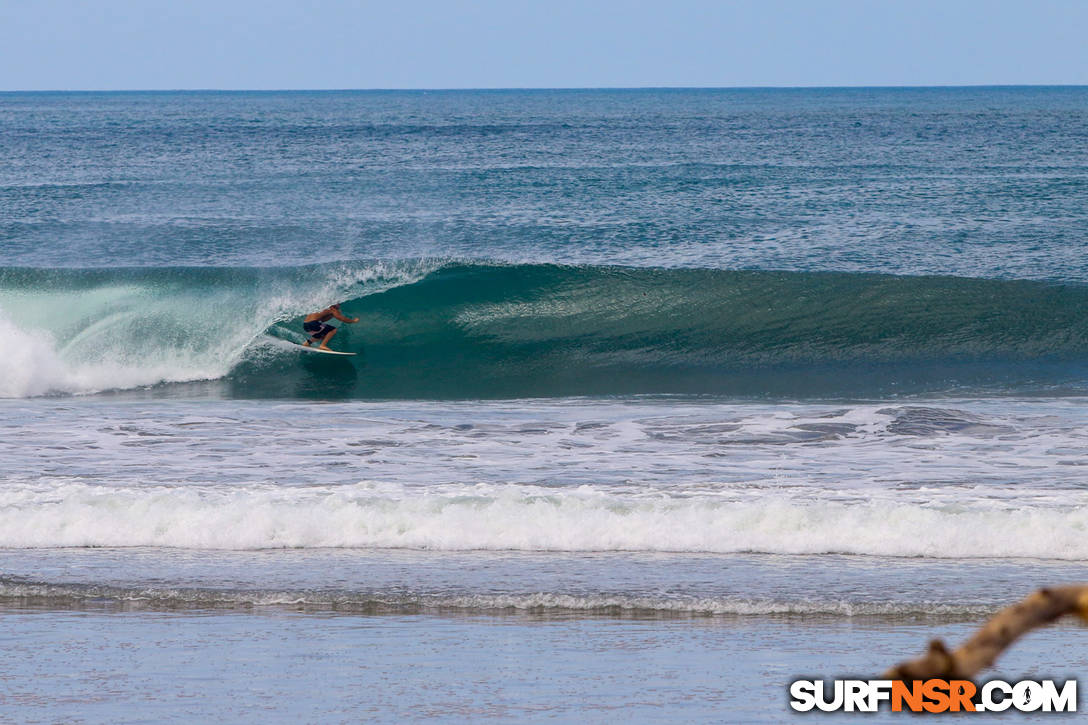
(317, 330)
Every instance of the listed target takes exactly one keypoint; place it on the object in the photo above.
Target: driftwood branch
(980, 652)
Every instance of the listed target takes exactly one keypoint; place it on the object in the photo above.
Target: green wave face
(541, 330)
(458, 330)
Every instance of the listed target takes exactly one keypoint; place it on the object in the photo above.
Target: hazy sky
(269, 44)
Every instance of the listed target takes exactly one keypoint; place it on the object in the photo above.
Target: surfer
(315, 327)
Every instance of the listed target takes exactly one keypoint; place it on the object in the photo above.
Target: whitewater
(650, 474)
(657, 395)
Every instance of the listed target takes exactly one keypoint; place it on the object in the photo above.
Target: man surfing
(315, 327)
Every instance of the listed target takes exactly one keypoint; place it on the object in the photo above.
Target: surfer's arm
(340, 317)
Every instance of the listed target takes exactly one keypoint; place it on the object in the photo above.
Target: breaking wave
(447, 329)
(490, 517)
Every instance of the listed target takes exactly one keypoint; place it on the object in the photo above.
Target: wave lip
(528, 518)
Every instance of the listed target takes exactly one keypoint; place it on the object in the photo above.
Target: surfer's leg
(325, 340)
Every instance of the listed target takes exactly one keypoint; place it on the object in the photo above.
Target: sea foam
(526, 518)
(88, 331)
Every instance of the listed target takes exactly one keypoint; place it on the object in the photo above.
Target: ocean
(661, 399)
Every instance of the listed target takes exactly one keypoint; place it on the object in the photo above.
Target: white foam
(28, 363)
(32, 365)
(525, 518)
(118, 336)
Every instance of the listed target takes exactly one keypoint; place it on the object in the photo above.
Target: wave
(447, 329)
(488, 517)
(26, 593)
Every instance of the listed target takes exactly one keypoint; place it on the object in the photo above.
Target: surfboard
(322, 352)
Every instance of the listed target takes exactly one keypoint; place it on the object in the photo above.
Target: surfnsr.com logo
(933, 696)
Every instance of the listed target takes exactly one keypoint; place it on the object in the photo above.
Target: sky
(320, 44)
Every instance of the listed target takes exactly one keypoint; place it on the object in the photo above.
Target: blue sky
(272, 44)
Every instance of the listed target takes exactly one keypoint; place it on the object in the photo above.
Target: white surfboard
(287, 344)
(314, 348)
